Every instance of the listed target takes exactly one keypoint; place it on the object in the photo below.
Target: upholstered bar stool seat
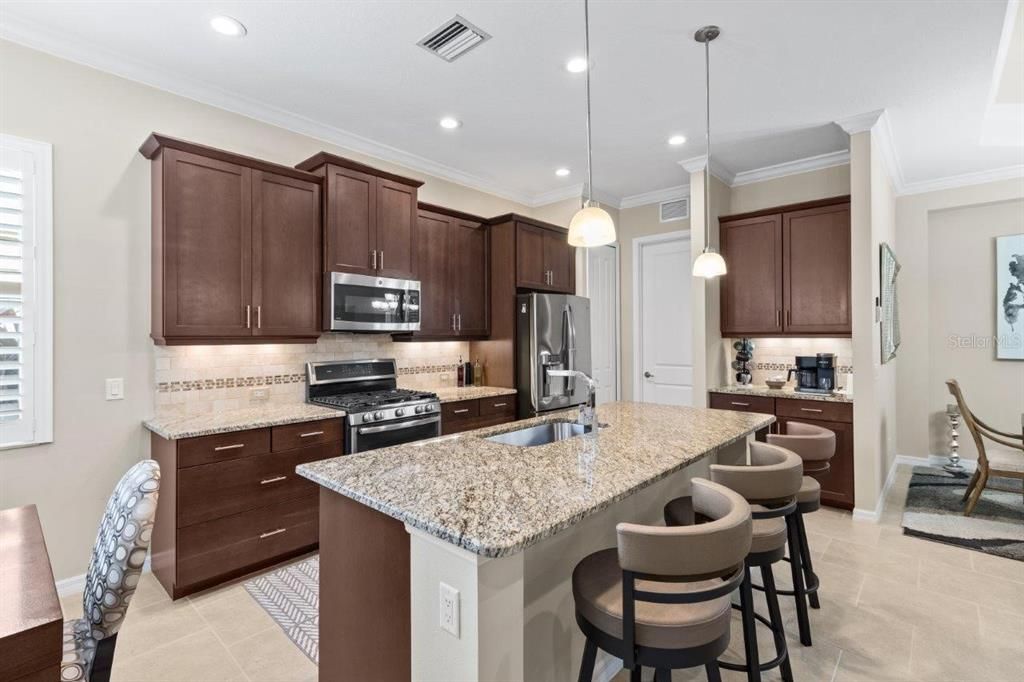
(809, 497)
(769, 535)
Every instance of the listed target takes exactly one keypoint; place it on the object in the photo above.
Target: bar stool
(816, 446)
(770, 484)
(661, 599)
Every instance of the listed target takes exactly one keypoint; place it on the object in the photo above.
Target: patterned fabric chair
(117, 557)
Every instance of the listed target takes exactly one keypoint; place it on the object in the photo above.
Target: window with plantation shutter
(26, 292)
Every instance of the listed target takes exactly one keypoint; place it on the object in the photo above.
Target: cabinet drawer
(814, 409)
(742, 403)
(502, 405)
(222, 446)
(212, 491)
(462, 410)
(229, 545)
(290, 436)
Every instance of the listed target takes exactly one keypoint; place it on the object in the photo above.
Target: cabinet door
(433, 253)
(285, 256)
(396, 220)
(752, 287)
(207, 248)
(530, 270)
(469, 277)
(350, 229)
(817, 270)
(837, 484)
(560, 262)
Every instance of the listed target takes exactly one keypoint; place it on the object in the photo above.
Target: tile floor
(894, 608)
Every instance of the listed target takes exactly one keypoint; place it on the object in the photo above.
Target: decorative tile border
(274, 379)
(783, 367)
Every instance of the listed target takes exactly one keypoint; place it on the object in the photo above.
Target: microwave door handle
(367, 430)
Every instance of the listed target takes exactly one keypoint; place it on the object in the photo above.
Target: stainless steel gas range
(377, 413)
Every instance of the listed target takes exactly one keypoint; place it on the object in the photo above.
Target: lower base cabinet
(466, 415)
(837, 485)
(232, 503)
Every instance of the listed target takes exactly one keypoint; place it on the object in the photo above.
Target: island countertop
(495, 500)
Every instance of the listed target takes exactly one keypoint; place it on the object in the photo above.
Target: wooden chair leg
(970, 486)
(712, 671)
(979, 488)
(587, 664)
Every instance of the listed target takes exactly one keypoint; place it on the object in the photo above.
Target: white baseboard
(931, 460)
(607, 669)
(76, 583)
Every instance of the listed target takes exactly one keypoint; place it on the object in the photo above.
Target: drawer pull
(500, 404)
(311, 434)
(460, 411)
(811, 409)
(272, 532)
(275, 479)
(739, 404)
(229, 447)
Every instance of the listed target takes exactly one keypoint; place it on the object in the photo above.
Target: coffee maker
(815, 373)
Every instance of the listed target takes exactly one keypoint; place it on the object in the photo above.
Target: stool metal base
(752, 666)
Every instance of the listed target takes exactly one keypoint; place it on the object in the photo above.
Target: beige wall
(791, 189)
(96, 123)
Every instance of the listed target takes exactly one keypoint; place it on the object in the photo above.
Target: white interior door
(603, 291)
(664, 334)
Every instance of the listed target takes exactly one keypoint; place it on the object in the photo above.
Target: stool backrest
(120, 550)
(696, 552)
(774, 474)
(812, 443)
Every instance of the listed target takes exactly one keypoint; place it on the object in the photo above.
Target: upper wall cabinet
(236, 247)
(369, 218)
(789, 271)
(544, 259)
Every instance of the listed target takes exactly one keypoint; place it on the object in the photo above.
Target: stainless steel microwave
(361, 303)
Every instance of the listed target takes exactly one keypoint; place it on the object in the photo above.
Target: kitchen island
(504, 526)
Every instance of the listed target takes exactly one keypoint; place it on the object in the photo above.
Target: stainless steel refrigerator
(552, 332)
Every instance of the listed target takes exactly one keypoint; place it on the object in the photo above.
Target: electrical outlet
(450, 609)
(260, 394)
(114, 389)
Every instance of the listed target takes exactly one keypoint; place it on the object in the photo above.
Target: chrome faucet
(587, 410)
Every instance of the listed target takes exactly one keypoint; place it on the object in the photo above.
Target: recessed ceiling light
(449, 123)
(227, 26)
(677, 140)
(576, 65)
(562, 172)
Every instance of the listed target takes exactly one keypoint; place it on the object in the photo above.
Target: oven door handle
(366, 430)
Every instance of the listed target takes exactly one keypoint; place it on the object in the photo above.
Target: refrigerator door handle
(569, 344)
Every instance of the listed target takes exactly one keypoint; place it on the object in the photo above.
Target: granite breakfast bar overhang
(503, 525)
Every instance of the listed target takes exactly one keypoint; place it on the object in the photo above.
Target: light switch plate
(450, 609)
(114, 389)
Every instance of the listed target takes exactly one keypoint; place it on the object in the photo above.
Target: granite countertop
(194, 425)
(785, 392)
(450, 394)
(496, 500)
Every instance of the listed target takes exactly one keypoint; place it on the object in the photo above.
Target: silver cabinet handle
(739, 404)
(374, 266)
(229, 447)
(648, 375)
(381, 260)
(453, 321)
(460, 321)
(499, 404)
(259, 317)
(248, 317)
(460, 411)
(275, 479)
(311, 434)
(273, 532)
(811, 409)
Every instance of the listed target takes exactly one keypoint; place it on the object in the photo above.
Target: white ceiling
(781, 73)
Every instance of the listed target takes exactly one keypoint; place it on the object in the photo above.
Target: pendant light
(709, 263)
(592, 225)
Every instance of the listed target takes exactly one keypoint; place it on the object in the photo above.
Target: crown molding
(656, 196)
(17, 30)
(697, 163)
(964, 180)
(779, 170)
(574, 191)
(861, 123)
(882, 133)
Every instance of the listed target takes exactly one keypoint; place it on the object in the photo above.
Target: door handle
(460, 321)
(259, 317)
(311, 434)
(273, 532)
(248, 317)
(229, 447)
(648, 375)
(453, 321)
(460, 411)
(374, 266)
(275, 479)
(809, 409)
(738, 404)
(381, 260)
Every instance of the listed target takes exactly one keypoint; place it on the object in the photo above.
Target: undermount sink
(542, 434)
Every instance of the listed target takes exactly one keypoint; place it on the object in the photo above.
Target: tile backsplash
(774, 356)
(203, 379)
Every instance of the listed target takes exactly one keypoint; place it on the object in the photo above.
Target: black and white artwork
(1010, 297)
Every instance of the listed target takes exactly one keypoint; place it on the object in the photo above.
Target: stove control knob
(367, 417)
(399, 412)
(419, 409)
(428, 408)
(378, 416)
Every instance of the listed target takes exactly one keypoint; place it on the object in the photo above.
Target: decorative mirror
(890, 268)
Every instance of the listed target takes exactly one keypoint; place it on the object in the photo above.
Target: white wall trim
(618, 311)
(931, 460)
(638, 243)
(860, 123)
(964, 180)
(698, 163)
(656, 196)
(560, 194)
(887, 146)
(780, 170)
(606, 670)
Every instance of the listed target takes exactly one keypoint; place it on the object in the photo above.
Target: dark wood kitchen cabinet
(453, 261)
(544, 259)
(235, 247)
(789, 271)
(369, 218)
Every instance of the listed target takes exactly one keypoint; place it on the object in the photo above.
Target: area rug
(291, 595)
(934, 510)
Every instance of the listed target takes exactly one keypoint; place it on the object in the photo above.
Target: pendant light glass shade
(591, 226)
(709, 264)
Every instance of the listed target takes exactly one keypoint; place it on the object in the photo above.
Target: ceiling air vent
(677, 209)
(453, 39)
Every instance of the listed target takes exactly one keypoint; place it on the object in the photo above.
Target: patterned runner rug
(291, 595)
(934, 510)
